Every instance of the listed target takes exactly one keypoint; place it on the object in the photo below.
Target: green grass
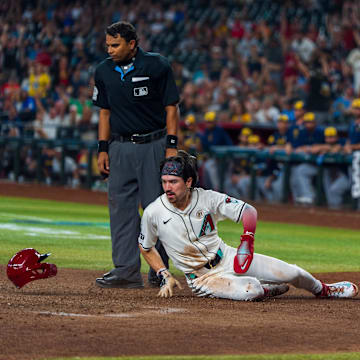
(78, 236)
(337, 356)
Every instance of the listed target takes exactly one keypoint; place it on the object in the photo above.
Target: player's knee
(251, 289)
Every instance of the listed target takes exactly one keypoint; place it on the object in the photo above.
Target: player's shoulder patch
(229, 200)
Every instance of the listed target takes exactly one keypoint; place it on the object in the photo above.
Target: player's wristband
(163, 274)
(171, 141)
(103, 146)
(159, 272)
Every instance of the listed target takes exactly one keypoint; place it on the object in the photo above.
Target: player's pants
(336, 183)
(222, 282)
(301, 182)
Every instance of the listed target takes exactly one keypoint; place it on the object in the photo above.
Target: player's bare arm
(104, 135)
(168, 282)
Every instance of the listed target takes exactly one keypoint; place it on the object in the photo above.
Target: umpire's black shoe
(154, 282)
(112, 281)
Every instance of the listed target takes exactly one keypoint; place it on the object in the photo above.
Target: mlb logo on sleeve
(141, 91)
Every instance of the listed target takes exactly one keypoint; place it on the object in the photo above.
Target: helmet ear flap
(48, 270)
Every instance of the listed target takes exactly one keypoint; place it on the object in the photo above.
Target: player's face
(176, 190)
(282, 126)
(299, 113)
(119, 49)
(310, 125)
(331, 140)
(356, 112)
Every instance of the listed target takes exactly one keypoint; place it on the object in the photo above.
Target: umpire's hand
(103, 164)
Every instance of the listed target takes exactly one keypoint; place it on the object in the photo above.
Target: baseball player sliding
(185, 219)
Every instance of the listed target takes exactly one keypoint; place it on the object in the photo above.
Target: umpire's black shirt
(137, 98)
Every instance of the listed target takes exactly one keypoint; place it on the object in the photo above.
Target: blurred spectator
(192, 137)
(353, 142)
(25, 105)
(39, 81)
(320, 94)
(284, 136)
(286, 108)
(238, 167)
(268, 113)
(303, 46)
(335, 177)
(214, 135)
(353, 59)
(81, 173)
(299, 111)
(47, 126)
(244, 184)
(303, 175)
(341, 107)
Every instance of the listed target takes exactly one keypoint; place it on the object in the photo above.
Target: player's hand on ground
(168, 283)
(244, 253)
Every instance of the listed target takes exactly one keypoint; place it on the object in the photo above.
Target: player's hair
(124, 29)
(188, 164)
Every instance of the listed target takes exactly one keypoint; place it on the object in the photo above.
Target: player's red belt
(139, 138)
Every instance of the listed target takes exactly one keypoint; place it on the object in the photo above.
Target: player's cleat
(343, 289)
(271, 290)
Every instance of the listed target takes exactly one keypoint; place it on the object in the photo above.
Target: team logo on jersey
(295, 133)
(229, 200)
(141, 91)
(200, 214)
(207, 226)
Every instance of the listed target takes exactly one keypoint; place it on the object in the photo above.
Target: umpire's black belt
(139, 138)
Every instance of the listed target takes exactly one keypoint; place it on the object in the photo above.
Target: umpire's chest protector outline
(190, 237)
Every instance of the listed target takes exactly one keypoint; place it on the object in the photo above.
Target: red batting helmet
(26, 266)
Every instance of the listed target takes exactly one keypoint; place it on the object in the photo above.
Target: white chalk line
(51, 232)
(27, 217)
(148, 311)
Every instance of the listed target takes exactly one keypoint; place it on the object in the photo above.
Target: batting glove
(168, 283)
(245, 253)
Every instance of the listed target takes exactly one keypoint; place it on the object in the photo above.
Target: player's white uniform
(190, 238)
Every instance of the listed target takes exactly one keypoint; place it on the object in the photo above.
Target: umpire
(138, 123)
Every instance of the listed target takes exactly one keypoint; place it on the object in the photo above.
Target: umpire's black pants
(134, 178)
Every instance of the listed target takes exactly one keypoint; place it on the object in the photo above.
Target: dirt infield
(69, 316)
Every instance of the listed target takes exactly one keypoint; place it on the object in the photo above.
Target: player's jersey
(190, 237)
(354, 133)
